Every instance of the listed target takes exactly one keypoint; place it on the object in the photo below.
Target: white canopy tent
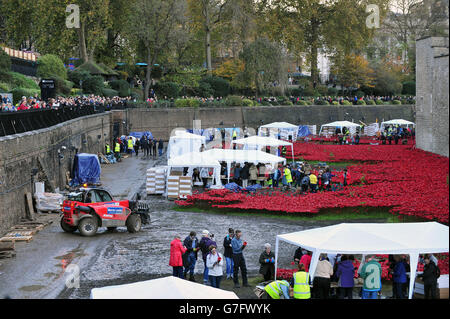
(241, 156)
(162, 288)
(259, 142)
(397, 122)
(340, 124)
(183, 142)
(369, 238)
(196, 160)
(283, 128)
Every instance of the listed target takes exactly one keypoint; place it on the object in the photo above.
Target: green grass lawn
(347, 214)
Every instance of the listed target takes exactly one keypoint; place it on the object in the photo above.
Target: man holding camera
(238, 246)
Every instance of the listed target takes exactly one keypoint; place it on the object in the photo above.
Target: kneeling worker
(276, 289)
(300, 282)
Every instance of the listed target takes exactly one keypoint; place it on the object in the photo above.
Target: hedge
(346, 102)
(5, 61)
(371, 102)
(93, 85)
(49, 66)
(361, 102)
(379, 102)
(396, 102)
(109, 92)
(187, 103)
(169, 89)
(20, 80)
(247, 102)
(219, 86)
(4, 87)
(233, 100)
(334, 103)
(121, 86)
(19, 92)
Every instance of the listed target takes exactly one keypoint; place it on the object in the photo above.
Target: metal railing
(30, 120)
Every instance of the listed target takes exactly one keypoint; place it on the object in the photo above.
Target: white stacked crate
(173, 185)
(151, 181)
(185, 187)
(160, 180)
(313, 129)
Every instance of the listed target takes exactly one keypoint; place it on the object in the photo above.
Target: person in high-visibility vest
(300, 282)
(276, 289)
(288, 176)
(130, 146)
(107, 148)
(117, 150)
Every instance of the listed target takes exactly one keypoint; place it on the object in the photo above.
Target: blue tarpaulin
(233, 187)
(86, 169)
(138, 135)
(303, 130)
(253, 188)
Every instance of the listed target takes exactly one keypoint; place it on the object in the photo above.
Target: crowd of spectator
(35, 102)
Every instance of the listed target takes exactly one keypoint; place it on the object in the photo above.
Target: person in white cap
(204, 245)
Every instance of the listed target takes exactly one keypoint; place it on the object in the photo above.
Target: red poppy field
(405, 180)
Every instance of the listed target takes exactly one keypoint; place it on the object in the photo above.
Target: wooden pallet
(7, 254)
(17, 238)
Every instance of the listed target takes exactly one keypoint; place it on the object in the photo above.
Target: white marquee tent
(283, 128)
(241, 156)
(396, 122)
(183, 142)
(369, 238)
(340, 124)
(259, 142)
(196, 160)
(162, 288)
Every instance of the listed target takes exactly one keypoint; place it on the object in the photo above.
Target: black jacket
(228, 252)
(188, 244)
(245, 174)
(429, 274)
(266, 267)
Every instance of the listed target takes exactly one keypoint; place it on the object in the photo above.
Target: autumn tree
(152, 24)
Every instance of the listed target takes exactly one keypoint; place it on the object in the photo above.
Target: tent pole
(413, 261)
(313, 265)
(276, 257)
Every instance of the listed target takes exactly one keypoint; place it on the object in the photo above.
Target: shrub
(233, 100)
(247, 102)
(371, 102)
(5, 61)
(4, 87)
(288, 103)
(361, 102)
(78, 75)
(346, 102)
(187, 103)
(93, 85)
(322, 89)
(334, 103)
(274, 103)
(296, 92)
(322, 102)
(309, 91)
(409, 88)
(396, 102)
(332, 91)
(49, 66)
(109, 92)
(379, 102)
(204, 89)
(19, 92)
(20, 80)
(181, 103)
(302, 102)
(169, 89)
(121, 86)
(220, 86)
(360, 94)
(75, 92)
(62, 87)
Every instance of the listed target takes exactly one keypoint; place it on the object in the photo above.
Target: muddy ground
(38, 270)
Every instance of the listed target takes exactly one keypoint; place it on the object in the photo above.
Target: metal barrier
(30, 120)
